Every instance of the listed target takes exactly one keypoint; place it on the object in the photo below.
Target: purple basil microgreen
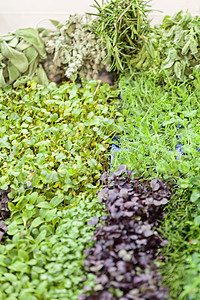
(104, 177)
(93, 221)
(127, 242)
(4, 211)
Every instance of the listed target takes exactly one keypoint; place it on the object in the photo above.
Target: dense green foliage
(173, 46)
(53, 144)
(161, 139)
(121, 24)
(181, 228)
(156, 120)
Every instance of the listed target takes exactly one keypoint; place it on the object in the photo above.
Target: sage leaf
(178, 69)
(193, 46)
(18, 59)
(172, 56)
(186, 48)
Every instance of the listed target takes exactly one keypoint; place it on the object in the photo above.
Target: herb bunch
(173, 46)
(74, 50)
(21, 58)
(121, 24)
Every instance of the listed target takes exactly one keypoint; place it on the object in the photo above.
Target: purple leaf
(93, 221)
(104, 177)
(155, 184)
(125, 244)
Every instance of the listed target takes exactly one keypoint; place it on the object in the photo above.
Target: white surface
(16, 14)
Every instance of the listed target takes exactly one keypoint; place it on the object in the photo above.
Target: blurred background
(27, 13)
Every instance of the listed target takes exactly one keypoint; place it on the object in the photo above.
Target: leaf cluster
(161, 139)
(53, 144)
(172, 46)
(161, 128)
(47, 262)
(73, 50)
(181, 228)
(22, 54)
(127, 241)
(121, 24)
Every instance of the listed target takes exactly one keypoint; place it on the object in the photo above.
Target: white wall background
(16, 14)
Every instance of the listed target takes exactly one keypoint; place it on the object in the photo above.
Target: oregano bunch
(74, 49)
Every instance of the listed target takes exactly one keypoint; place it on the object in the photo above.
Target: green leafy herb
(121, 24)
(172, 46)
(53, 150)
